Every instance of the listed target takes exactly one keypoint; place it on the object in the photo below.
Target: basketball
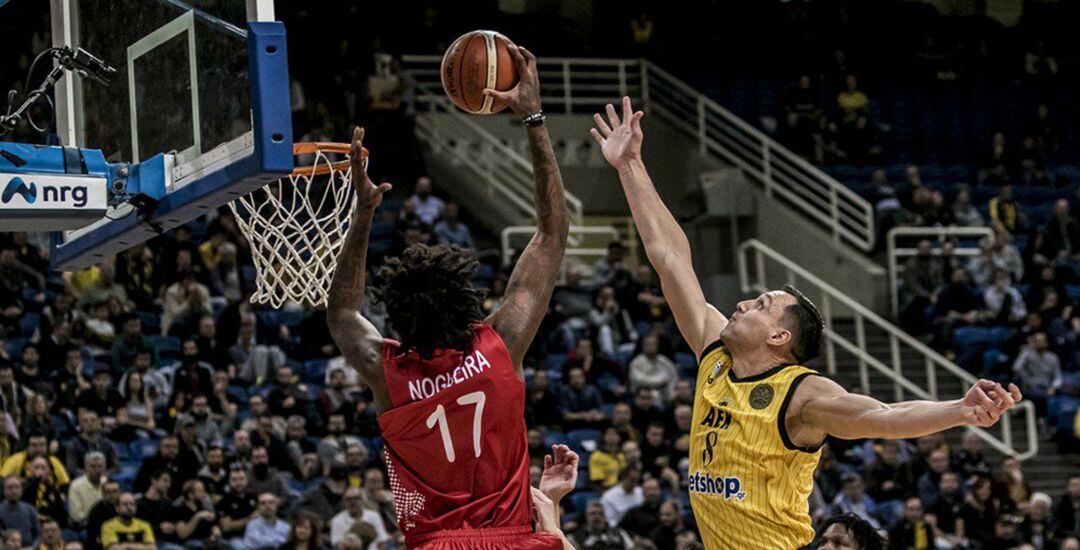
(475, 61)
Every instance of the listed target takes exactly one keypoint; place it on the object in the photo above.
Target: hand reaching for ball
(368, 195)
(524, 99)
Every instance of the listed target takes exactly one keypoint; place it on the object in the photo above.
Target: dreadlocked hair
(429, 297)
(866, 538)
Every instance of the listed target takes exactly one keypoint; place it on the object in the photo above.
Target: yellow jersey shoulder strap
(793, 376)
(713, 359)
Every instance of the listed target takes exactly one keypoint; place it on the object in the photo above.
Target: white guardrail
(894, 253)
(522, 233)
(753, 255)
(586, 85)
(509, 173)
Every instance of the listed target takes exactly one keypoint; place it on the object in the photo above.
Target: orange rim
(309, 147)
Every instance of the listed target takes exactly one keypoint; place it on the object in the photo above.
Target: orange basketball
(478, 60)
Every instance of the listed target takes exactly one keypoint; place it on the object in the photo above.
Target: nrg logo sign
(76, 194)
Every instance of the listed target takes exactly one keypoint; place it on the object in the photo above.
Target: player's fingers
(519, 59)
(357, 138)
(539, 495)
(995, 396)
(547, 461)
(612, 116)
(1015, 392)
(596, 135)
(983, 401)
(605, 130)
(384, 187)
(496, 93)
(635, 121)
(1006, 398)
(527, 54)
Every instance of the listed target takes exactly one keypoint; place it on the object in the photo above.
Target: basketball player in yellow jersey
(760, 416)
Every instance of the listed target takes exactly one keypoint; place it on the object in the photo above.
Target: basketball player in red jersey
(450, 395)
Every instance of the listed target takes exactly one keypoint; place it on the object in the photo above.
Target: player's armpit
(359, 341)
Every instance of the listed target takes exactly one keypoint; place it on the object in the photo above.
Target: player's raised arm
(666, 244)
(530, 286)
(821, 407)
(359, 340)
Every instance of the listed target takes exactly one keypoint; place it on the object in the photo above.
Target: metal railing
(576, 248)
(782, 175)
(835, 305)
(893, 252)
(567, 85)
(586, 85)
(508, 173)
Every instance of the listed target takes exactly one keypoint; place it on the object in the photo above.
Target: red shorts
(503, 538)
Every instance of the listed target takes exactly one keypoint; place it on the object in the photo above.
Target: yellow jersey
(749, 484)
(115, 532)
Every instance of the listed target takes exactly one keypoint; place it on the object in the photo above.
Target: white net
(297, 226)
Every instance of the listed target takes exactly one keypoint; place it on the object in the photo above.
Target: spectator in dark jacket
(580, 403)
(1067, 512)
(325, 499)
(913, 531)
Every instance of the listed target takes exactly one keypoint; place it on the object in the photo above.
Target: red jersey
(455, 445)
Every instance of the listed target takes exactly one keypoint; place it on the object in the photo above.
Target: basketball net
(297, 226)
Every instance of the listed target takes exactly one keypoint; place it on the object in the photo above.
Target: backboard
(200, 96)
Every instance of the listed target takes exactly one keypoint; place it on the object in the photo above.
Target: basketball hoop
(297, 226)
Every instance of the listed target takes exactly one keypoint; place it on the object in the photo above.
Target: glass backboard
(187, 74)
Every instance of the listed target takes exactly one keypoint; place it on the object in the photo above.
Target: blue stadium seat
(554, 361)
(28, 323)
(607, 382)
(269, 317)
(125, 476)
(314, 370)
(13, 346)
(123, 452)
(292, 318)
(576, 440)
(1060, 409)
(484, 274)
(144, 448)
(685, 360)
(166, 344)
(554, 437)
(582, 482)
(581, 499)
(239, 392)
(151, 321)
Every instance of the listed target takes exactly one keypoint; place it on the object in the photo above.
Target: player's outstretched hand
(560, 472)
(524, 99)
(986, 401)
(368, 195)
(621, 141)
